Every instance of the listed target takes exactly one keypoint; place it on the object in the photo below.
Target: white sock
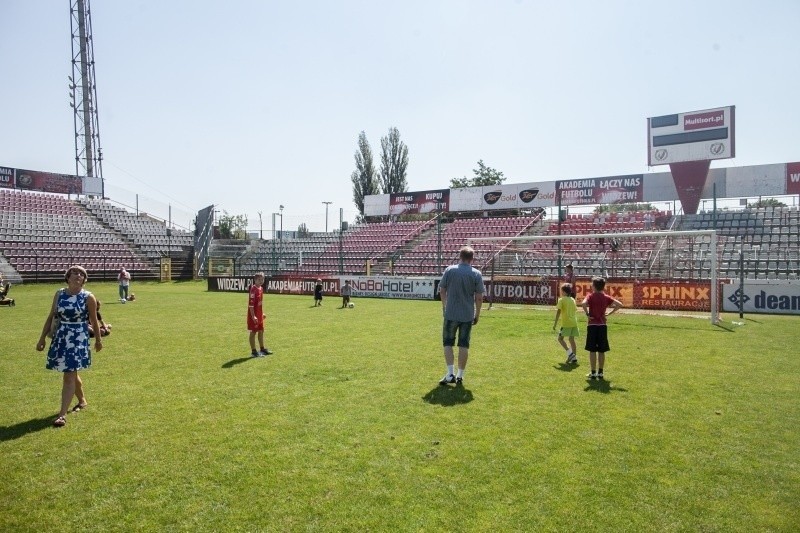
(449, 370)
(568, 351)
(461, 372)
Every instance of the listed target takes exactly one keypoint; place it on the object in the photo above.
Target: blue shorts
(449, 333)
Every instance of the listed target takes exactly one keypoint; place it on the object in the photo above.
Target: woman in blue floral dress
(69, 349)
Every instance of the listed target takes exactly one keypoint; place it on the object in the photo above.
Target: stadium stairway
(153, 273)
(10, 274)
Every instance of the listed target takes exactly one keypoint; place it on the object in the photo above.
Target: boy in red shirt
(256, 316)
(595, 305)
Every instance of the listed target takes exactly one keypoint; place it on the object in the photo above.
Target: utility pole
(341, 241)
(272, 245)
(326, 215)
(280, 239)
(83, 95)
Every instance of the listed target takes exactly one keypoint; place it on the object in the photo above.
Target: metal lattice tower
(83, 91)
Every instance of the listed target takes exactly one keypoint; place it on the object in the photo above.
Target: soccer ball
(351, 305)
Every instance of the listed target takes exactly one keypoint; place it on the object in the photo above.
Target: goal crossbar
(680, 233)
(656, 235)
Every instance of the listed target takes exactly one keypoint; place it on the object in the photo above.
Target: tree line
(391, 176)
(368, 178)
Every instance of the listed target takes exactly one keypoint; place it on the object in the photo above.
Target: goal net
(676, 271)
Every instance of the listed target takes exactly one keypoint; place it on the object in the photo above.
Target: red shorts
(254, 325)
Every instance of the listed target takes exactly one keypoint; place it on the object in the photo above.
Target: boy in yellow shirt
(567, 309)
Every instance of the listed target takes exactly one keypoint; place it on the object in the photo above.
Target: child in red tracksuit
(256, 316)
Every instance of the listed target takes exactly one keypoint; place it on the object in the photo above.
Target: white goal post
(648, 270)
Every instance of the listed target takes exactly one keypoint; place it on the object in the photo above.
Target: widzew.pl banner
(362, 286)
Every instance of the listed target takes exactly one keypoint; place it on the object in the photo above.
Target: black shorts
(597, 339)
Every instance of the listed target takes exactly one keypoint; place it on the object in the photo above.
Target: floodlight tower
(83, 94)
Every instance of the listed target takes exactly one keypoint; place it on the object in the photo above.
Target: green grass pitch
(345, 427)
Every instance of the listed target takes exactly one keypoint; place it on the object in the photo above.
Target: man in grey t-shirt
(461, 290)
(346, 290)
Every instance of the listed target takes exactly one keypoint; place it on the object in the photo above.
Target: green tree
(483, 175)
(394, 162)
(623, 208)
(364, 177)
(302, 231)
(766, 202)
(232, 227)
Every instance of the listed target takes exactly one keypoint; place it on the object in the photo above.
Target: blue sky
(254, 104)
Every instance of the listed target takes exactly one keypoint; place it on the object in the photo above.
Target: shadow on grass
(23, 428)
(732, 325)
(601, 385)
(448, 396)
(566, 367)
(233, 362)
